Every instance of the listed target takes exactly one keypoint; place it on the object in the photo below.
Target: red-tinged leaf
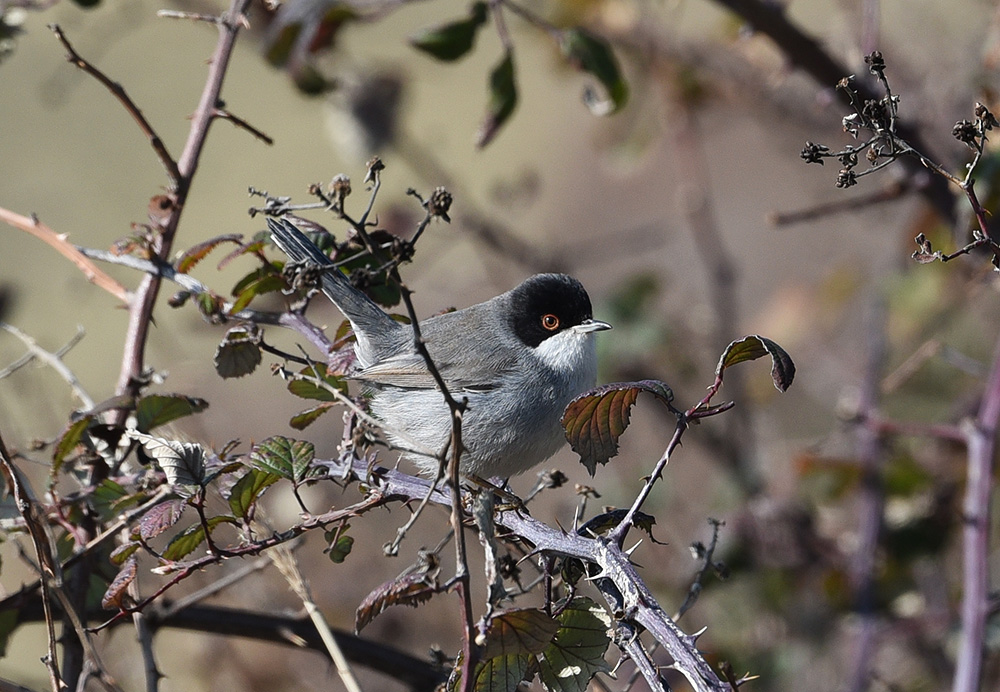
(248, 490)
(409, 590)
(301, 421)
(160, 517)
(114, 597)
(158, 409)
(188, 540)
(255, 246)
(290, 459)
(753, 347)
(595, 420)
(123, 552)
(503, 100)
(522, 631)
(68, 441)
(239, 352)
(187, 261)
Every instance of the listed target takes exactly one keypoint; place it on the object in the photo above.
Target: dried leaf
(409, 590)
(114, 597)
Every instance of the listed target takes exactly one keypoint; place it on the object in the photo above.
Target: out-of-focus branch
(981, 436)
(806, 53)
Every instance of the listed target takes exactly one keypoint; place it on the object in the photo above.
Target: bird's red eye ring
(550, 322)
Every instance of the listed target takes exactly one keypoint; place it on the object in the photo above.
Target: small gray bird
(518, 358)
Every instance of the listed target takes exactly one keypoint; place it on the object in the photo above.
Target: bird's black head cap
(547, 304)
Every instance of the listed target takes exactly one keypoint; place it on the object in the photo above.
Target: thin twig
(58, 241)
(54, 361)
(119, 92)
(46, 562)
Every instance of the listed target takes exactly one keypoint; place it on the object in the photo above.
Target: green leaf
(185, 542)
(109, 496)
(68, 441)
(753, 347)
(311, 390)
(239, 352)
(503, 100)
(577, 652)
(301, 421)
(340, 544)
(157, 409)
(290, 459)
(123, 552)
(502, 673)
(182, 462)
(595, 420)
(452, 41)
(592, 55)
(248, 489)
(263, 280)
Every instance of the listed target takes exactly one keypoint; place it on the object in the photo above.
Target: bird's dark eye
(550, 322)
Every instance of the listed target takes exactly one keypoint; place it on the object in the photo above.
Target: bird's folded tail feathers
(365, 315)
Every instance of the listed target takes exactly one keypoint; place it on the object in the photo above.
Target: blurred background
(692, 221)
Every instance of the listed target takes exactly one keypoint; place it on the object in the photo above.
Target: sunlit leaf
(592, 55)
(595, 420)
(248, 490)
(158, 409)
(503, 100)
(114, 597)
(753, 347)
(577, 652)
(290, 459)
(453, 40)
(182, 462)
(239, 352)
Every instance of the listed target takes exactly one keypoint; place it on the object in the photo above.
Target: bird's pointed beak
(588, 326)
